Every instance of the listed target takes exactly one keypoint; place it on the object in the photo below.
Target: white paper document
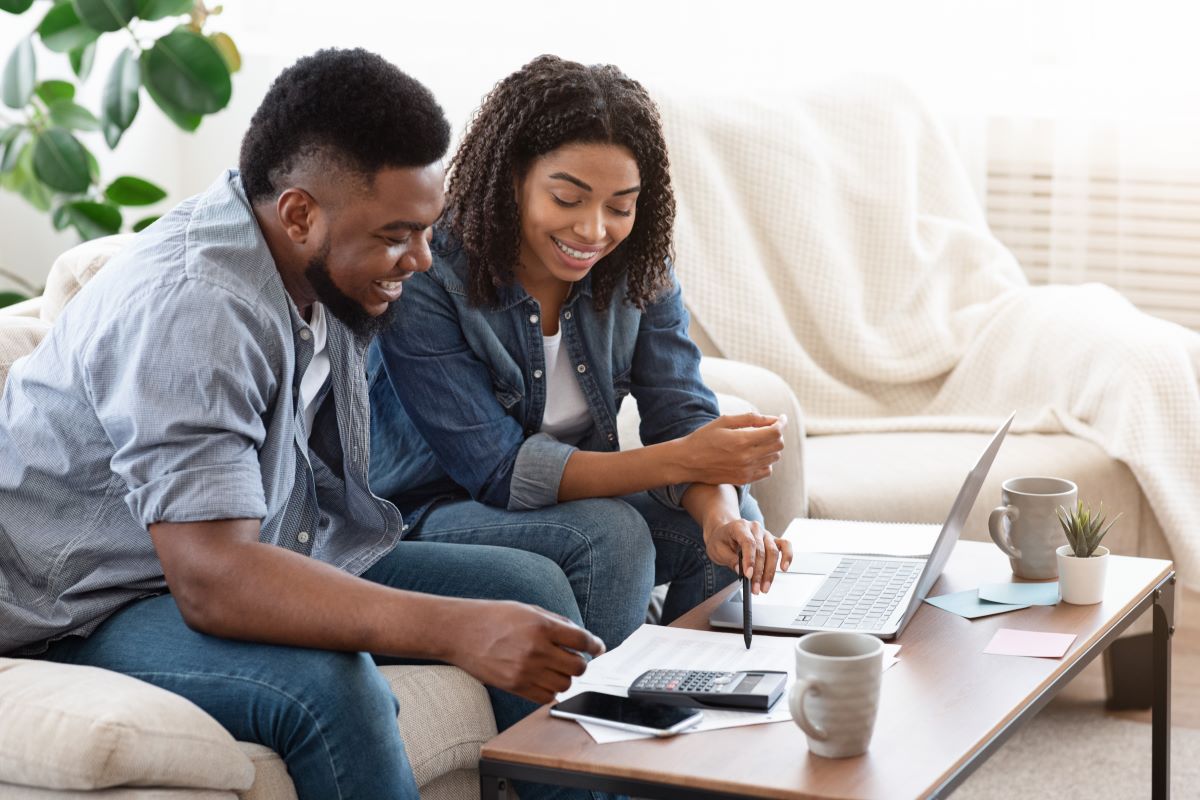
(659, 647)
(861, 538)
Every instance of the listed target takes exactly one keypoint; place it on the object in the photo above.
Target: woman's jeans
(331, 716)
(613, 551)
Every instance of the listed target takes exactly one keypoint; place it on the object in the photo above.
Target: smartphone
(627, 713)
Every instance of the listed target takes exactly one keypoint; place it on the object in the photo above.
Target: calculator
(748, 691)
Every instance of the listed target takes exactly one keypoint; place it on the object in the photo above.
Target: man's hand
(522, 649)
(734, 450)
(759, 551)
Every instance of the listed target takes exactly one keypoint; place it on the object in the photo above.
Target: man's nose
(418, 257)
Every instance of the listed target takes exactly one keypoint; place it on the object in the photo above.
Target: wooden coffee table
(944, 708)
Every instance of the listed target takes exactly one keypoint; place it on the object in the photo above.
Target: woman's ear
(297, 210)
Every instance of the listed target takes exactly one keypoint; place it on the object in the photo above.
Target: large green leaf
(13, 148)
(82, 59)
(130, 191)
(53, 91)
(69, 114)
(11, 298)
(92, 220)
(60, 161)
(61, 30)
(22, 180)
(105, 15)
(161, 9)
(20, 75)
(15, 6)
(120, 103)
(185, 70)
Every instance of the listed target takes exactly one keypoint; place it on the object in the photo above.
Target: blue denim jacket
(457, 392)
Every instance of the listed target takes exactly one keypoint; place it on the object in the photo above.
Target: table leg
(492, 788)
(1160, 720)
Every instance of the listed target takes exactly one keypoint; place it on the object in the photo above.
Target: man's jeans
(613, 551)
(329, 715)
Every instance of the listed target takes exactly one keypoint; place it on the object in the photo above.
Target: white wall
(968, 58)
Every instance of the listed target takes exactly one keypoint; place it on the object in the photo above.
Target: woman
(552, 296)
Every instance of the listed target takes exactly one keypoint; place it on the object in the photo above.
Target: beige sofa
(82, 732)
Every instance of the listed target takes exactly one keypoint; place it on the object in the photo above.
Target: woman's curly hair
(549, 103)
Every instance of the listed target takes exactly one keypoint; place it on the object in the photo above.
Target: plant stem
(21, 282)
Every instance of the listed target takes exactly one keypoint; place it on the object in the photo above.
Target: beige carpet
(1072, 752)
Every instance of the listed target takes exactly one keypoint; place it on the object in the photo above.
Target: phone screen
(625, 710)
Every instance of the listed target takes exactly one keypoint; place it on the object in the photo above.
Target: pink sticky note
(1012, 642)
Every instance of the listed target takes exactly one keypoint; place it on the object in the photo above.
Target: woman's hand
(758, 550)
(736, 450)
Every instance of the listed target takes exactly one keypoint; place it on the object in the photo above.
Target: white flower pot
(1081, 580)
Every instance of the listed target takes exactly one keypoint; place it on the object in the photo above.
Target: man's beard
(351, 314)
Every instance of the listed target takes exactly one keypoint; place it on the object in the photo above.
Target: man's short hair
(348, 109)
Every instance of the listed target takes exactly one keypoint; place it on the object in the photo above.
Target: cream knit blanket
(834, 238)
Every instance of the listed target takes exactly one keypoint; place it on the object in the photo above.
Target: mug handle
(800, 688)
(1000, 535)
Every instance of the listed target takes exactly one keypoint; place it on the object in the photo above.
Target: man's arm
(226, 583)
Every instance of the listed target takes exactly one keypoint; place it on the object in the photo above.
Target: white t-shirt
(318, 369)
(566, 417)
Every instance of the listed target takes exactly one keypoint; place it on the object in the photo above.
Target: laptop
(869, 594)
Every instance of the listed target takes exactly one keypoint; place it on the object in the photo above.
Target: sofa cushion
(74, 727)
(18, 337)
(914, 477)
(76, 267)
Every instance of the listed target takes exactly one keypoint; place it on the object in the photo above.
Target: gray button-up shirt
(167, 392)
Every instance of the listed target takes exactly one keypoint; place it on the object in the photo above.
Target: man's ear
(297, 210)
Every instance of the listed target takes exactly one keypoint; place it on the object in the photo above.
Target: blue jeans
(331, 716)
(613, 551)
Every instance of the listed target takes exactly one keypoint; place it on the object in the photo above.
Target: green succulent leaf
(62, 31)
(15, 6)
(61, 162)
(53, 91)
(92, 220)
(120, 103)
(144, 222)
(71, 115)
(105, 15)
(130, 191)
(185, 73)
(161, 9)
(11, 298)
(228, 51)
(20, 75)
(82, 59)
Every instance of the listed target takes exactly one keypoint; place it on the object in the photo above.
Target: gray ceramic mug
(836, 694)
(1025, 526)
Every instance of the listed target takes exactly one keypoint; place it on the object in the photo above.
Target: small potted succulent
(1083, 562)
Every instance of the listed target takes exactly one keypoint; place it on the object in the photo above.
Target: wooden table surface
(940, 704)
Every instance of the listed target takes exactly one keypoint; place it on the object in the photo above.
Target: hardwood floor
(1088, 687)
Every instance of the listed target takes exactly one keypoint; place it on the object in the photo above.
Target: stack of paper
(659, 647)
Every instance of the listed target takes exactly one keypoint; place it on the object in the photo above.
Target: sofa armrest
(783, 496)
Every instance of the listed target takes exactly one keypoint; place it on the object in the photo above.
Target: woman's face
(577, 204)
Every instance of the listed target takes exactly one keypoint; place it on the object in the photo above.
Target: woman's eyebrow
(569, 178)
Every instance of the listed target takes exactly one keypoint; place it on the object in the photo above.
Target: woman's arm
(733, 449)
(729, 538)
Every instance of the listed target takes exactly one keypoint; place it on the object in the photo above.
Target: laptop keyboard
(860, 593)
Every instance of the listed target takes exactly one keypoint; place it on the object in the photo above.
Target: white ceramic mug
(1032, 533)
(836, 695)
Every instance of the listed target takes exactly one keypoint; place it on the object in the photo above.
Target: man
(197, 422)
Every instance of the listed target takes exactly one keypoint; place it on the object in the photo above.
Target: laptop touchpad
(789, 589)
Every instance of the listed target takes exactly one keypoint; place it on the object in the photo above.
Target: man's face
(374, 241)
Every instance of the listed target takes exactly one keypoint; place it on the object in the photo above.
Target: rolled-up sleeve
(183, 398)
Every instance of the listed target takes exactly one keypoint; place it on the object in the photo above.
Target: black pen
(746, 632)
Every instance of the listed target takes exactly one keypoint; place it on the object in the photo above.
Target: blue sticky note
(1031, 594)
(967, 604)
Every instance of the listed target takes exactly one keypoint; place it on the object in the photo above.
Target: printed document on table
(862, 538)
(659, 647)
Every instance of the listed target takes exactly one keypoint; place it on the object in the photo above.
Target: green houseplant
(1083, 561)
(44, 127)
